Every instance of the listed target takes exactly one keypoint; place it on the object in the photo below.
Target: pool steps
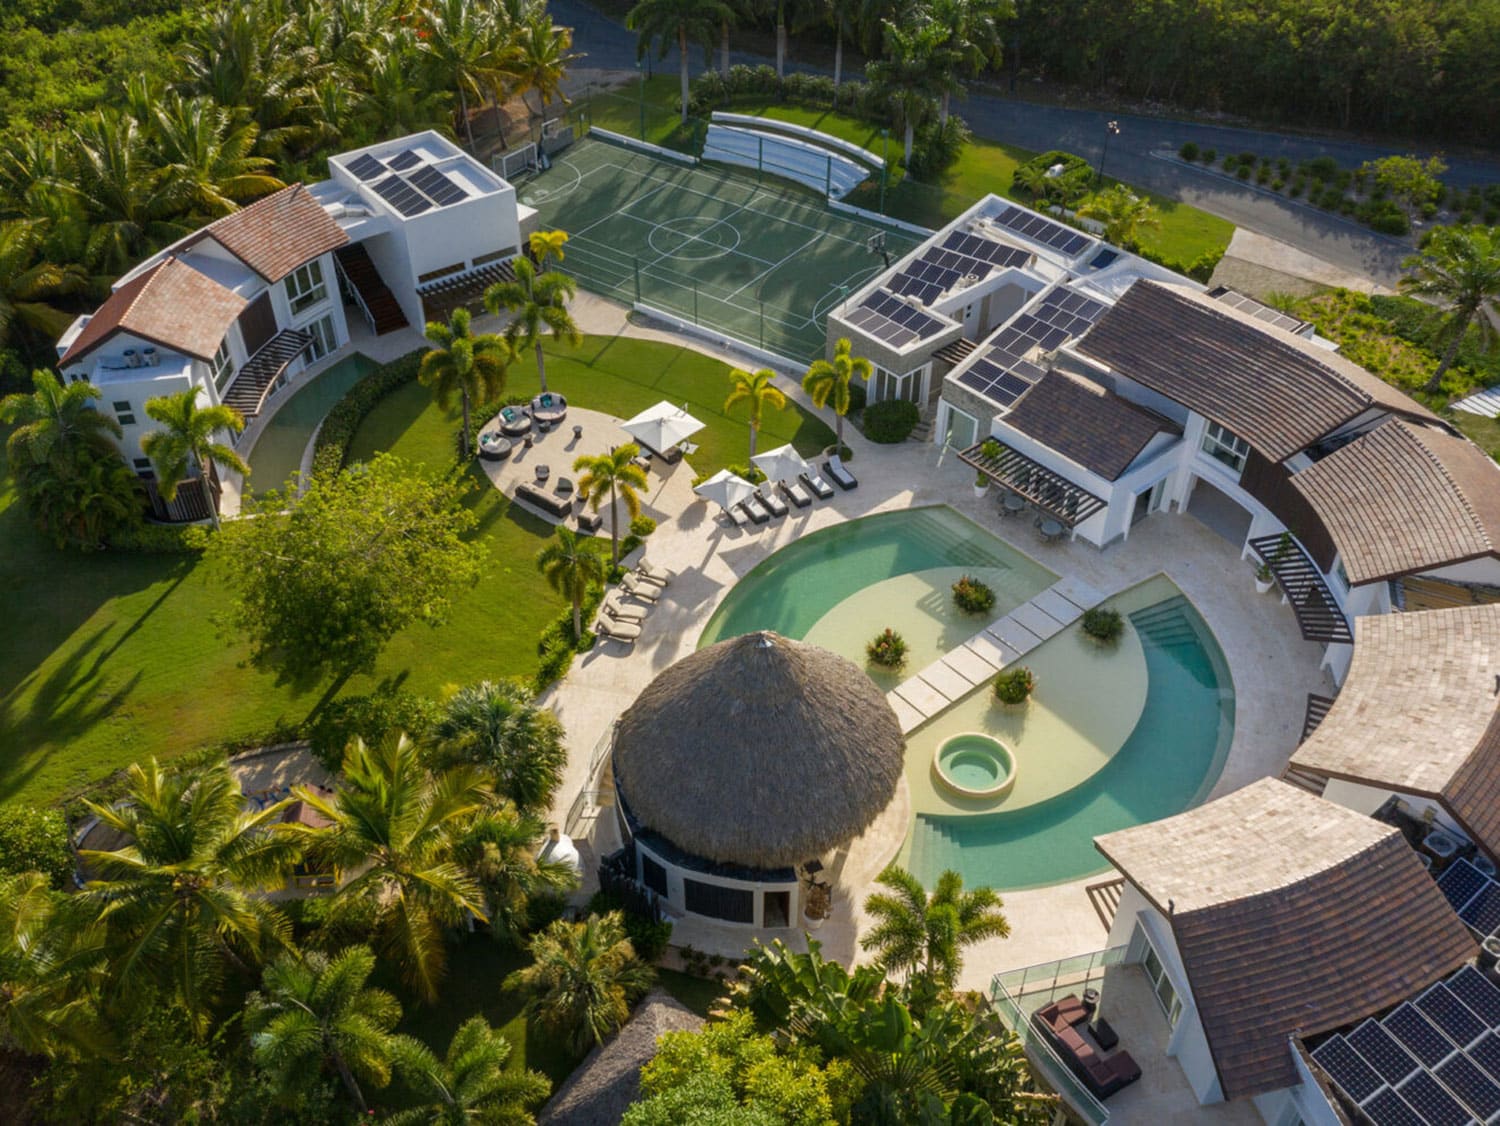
(1005, 640)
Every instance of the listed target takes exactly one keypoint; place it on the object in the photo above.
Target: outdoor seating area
(514, 421)
(548, 409)
(495, 446)
(1082, 1046)
(559, 507)
(621, 620)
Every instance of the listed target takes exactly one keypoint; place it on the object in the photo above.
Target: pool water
(977, 764)
(277, 453)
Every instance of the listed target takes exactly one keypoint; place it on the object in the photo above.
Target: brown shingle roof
(171, 305)
(275, 235)
(1088, 425)
(1277, 391)
(1417, 713)
(1405, 498)
(1292, 916)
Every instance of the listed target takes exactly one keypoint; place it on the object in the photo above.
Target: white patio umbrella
(661, 427)
(781, 464)
(725, 489)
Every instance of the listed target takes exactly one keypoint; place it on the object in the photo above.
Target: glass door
(963, 430)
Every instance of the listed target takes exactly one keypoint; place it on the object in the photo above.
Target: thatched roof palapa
(759, 751)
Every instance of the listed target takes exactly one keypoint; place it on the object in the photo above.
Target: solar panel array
(412, 193)
(367, 168)
(404, 160)
(1006, 371)
(401, 195)
(1060, 238)
(892, 321)
(436, 186)
(961, 255)
(1433, 1061)
(1474, 895)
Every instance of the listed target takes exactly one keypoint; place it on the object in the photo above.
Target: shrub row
(161, 539)
(890, 421)
(339, 425)
(558, 643)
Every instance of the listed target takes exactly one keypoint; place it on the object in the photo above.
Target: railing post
(636, 262)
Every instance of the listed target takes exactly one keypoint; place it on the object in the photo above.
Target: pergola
(1049, 491)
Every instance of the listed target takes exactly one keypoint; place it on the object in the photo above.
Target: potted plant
(816, 905)
(888, 649)
(972, 596)
(1263, 578)
(1103, 625)
(1014, 686)
(981, 483)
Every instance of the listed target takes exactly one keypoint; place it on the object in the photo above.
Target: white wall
(1475, 571)
(676, 896)
(1364, 798)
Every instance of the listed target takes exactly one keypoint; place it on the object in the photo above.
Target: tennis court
(745, 257)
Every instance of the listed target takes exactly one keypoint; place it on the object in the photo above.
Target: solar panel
(1461, 882)
(437, 186)
(1390, 1109)
(1483, 911)
(1474, 1088)
(892, 321)
(1044, 231)
(1433, 1102)
(366, 167)
(1486, 1054)
(908, 286)
(1450, 1015)
(1478, 993)
(1345, 1067)
(1105, 257)
(402, 196)
(1418, 1036)
(404, 160)
(1390, 1060)
(986, 250)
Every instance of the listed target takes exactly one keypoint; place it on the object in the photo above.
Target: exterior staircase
(378, 300)
(253, 382)
(1318, 613)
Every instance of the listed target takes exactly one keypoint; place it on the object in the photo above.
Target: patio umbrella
(661, 427)
(781, 464)
(725, 489)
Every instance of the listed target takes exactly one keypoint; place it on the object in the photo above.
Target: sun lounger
(636, 588)
(617, 609)
(767, 496)
(819, 486)
(654, 574)
(755, 512)
(514, 422)
(608, 627)
(795, 493)
(834, 467)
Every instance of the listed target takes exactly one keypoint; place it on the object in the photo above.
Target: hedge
(161, 539)
(890, 421)
(341, 422)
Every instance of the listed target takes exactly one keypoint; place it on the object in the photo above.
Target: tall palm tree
(501, 853)
(187, 443)
(538, 303)
(541, 53)
(123, 189)
(1459, 271)
(844, 16)
(209, 157)
(759, 391)
(678, 23)
(910, 74)
(572, 565)
(973, 41)
(616, 476)
(498, 726)
(583, 979)
(827, 381)
(80, 502)
(470, 1083)
(28, 282)
(47, 968)
(314, 1012)
(464, 46)
(246, 55)
(460, 363)
(178, 899)
(1032, 179)
(55, 422)
(399, 98)
(923, 937)
(547, 245)
(1123, 213)
(393, 825)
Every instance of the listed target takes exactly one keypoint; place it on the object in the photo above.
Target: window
(124, 413)
(654, 876)
(223, 365)
(889, 385)
(1226, 447)
(304, 286)
(440, 272)
(719, 902)
(143, 467)
(492, 256)
(1161, 985)
(324, 340)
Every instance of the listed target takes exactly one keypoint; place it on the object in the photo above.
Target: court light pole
(641, 70)
(885, 167)
(1111, 129)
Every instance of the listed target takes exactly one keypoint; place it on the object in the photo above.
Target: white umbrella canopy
(725, 489)
(661, 427)
(781, 464)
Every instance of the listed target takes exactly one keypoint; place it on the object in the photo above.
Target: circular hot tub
(975, 765)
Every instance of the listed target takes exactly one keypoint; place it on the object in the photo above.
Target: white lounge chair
(841, 476)
(795, 493)
(654, 574)
(819, 486)
(758, 513)
(638, 588)
(773, 503)
(614, 630)
(615, 608)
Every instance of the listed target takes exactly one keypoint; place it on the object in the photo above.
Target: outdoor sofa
(549, 408)
(560, 507)
(1103, 1075)
(514, 422)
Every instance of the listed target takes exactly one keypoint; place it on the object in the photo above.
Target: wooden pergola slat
(1052, 492)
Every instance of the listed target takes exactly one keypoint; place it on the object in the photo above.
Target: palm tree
(209, 157)
(547, 245)
(187, 443)
(46, 972)
(910, 74)
(501, 853)
(1123, 213)
(399, 99)
(583, 979)
(679, 22)
(498, 726)
(80, 502)
(314, 1012)
(1032, 179)
(923, 937)
(177, 900)
(55, 422)
(614, 475)
(394, 825)
(28, 282)
(973, 41)
(758, 389)
(572, 565)
(472, 367)
(541, 53)
(843, 15)
(1459, 271)
(828, 381)
(246, 55)
(125, 192)
(538, 301)
(465, 47)
(471, 1083)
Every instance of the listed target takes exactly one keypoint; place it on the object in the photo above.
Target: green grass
(695, 993)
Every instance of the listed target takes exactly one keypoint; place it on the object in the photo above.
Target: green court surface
(746, 257)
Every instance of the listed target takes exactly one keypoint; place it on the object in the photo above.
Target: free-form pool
(277, 453)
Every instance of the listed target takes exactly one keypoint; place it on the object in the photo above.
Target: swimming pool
(277, 453)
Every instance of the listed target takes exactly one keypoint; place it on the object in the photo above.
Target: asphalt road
(1134, 155)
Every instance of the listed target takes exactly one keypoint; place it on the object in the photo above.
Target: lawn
(110, 658)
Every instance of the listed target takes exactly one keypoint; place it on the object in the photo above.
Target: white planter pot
(980, 490)
(809, 923)
(1263, 585)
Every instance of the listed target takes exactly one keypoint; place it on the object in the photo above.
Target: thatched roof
(759, 751)
(609, 1078)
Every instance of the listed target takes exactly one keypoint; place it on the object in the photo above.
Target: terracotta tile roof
(1293, 916)
(1277, 391)
(1417, 713)
(1405, 498)
(171, 305)
(1087, 424)
(276, 234)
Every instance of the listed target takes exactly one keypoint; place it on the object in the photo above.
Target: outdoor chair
(654, 574)
(607, 628)
(819, 486)
(845, 480)
(755, 512)
(589, 522)
(774, 504)
(549, 408)
(794, 492)
(514, 422)
(617, 609)
(637, 588)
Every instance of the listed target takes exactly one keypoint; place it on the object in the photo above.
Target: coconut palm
(616, 476)
(315, 1013)
(677, 23)
(572, 564)
(1123, 213)
(498, 726)
(83, 501)
(187, 443)
(547, 245)
(1459, 271)
(470, 1083)
(178, 899)
(465, 46)
(910, 74)
(398, 98)
(541, 53)
(827, 381)
(247, 55)
(923, 937)
(55, 422)
(209, 157)
(393, 825)
(1032, 179)
(500, 852)
(122, 188)
(759, 391)
(46, 969)
(973, 41)
(844, 16)
(28, 282)
(460, 363)
(538, 303)
(583, 979)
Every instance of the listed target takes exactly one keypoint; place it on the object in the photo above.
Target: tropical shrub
(1189, 151)
(160, 539)
(1103, 624)
(1067, 187)
(371, 718)
(35, 840)
(888, 649)
(1014, 685)
(641, 526)
(649, 937)
(890, 421)
(972, 596)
